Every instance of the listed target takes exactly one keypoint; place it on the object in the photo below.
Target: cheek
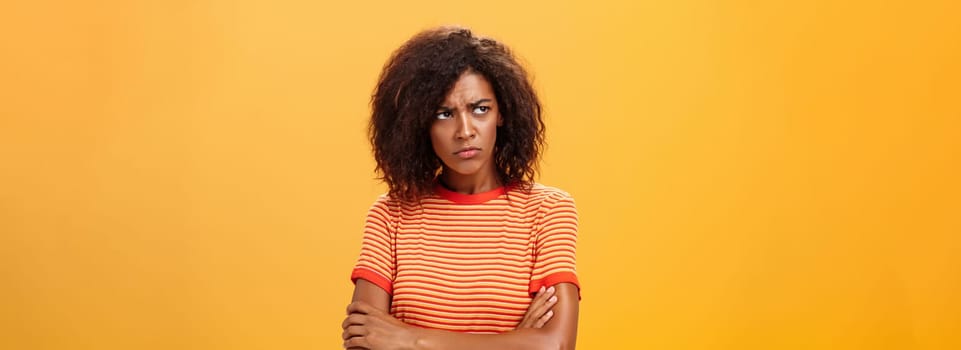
(434, 134)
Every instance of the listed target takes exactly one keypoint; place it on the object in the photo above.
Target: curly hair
(415, 81)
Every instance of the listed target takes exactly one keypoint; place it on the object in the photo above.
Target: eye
(481, 109)
(444, 115)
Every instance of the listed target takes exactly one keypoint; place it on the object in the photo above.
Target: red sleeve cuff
(372, 277)
(555, 278)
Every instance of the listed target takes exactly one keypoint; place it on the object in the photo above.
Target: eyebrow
(472, 104)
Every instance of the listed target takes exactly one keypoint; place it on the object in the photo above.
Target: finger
(543, 319)
(527, 321)
(538, 306)
(540, 310)
(354, 331)
(356, 342)
(547, 293)
(360, 307)
(541, 298)
(354, 319)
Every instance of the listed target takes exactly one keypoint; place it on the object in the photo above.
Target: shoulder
(384, 199)
(543, 191)
(384, 206)
(555, 209)
(394, 206)
(544, 195)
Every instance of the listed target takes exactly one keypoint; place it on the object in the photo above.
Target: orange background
(749, 174)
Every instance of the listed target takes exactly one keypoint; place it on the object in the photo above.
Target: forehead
(469, 88)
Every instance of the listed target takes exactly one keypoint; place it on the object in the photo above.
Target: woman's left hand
(366, 327)
(539, 311)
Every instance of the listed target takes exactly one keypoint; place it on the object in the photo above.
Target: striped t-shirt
(469, 263)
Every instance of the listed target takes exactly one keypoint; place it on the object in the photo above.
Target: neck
(469, 184)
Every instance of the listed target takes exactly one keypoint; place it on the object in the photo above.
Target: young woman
(465, 251)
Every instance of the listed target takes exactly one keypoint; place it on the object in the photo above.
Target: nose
(465, 127)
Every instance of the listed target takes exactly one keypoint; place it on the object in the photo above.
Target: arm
(559, 333)
(381, 327)
(371, 327)
(370, 293)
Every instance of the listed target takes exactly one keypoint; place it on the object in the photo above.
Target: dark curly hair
(414, 82)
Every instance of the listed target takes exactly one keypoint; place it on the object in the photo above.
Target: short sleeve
(376, 262)
(555, 244)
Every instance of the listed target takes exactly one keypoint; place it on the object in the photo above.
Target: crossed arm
(370, 326)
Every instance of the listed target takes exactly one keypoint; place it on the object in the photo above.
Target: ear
(500, 121)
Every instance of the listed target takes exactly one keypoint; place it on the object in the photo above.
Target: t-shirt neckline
(464, 198)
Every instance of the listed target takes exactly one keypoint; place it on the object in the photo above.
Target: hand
(367, 327)
(539, 312)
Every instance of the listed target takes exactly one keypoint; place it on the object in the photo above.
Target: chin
(468, 168)
(464, 170)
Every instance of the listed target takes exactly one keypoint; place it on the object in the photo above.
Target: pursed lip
(468, 148)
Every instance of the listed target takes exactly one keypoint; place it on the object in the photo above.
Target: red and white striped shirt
(469, 263)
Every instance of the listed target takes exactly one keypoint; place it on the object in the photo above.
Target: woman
(465, 250)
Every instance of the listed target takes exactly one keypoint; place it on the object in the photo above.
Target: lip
(467, 152)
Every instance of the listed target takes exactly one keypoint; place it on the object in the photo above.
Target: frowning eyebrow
(471, 105)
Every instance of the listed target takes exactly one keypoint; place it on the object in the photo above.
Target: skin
(468, 117)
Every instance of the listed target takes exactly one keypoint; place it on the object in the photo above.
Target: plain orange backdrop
(749, 174)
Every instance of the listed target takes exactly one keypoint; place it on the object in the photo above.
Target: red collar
(475, 198)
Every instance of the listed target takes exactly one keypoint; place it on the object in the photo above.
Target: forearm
(373, 328)
(527, 338)
(558, 334)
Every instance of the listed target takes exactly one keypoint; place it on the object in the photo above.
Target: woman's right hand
(539, 312)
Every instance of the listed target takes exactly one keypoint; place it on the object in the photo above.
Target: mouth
(467, 152)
